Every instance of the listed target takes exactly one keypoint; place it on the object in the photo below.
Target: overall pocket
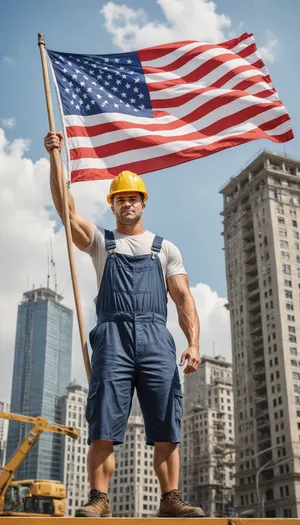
(178, 398)
(91, 406)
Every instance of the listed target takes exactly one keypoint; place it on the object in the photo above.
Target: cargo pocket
(91, 406)
(178, 405)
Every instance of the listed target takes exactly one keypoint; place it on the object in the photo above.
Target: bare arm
(179, 289)
(82, 229)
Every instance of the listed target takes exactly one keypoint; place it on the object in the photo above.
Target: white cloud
(26, 229)
(214, 323)
(9, 122)
(8, 60)
(269, 50)
(189, 19)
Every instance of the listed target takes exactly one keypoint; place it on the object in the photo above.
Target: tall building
(41, 373)
(75, 451)
(262, 251)
(207, 447)
(134, 489)
(4, 407)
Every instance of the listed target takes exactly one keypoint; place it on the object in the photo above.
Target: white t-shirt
(170, 256)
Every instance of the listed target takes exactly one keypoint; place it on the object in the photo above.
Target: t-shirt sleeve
(174, 261)
(97, 243)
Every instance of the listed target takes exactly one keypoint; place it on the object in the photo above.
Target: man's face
(128, 207)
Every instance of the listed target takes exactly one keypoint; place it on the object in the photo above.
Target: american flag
(161, 106)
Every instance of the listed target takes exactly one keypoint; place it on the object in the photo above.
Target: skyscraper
(74, 456)
(134, 488)
(4, 407)
(207, 447)
(262, 250)
(41, 373)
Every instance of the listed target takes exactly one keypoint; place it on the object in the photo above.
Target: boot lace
(94, 498)
(175, 497)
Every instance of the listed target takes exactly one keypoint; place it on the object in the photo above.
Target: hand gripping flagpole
(66, 215)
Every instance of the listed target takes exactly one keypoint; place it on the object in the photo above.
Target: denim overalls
(132, 348)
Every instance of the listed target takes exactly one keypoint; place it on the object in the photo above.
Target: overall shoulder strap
(156, 245)
(110, 243)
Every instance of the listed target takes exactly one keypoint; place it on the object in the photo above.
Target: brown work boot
(172, 506)
(97, 506)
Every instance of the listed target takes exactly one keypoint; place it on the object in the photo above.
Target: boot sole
(91, 515)
(180, 516)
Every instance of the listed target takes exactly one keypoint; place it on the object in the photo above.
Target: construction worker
(132, 347)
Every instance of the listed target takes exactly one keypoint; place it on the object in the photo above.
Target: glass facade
(41, 374)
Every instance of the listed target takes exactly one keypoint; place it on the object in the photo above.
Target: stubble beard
(129, 220)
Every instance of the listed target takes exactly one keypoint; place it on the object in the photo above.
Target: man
(132, 347)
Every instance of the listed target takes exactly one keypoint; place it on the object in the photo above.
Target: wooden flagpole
(66, 215)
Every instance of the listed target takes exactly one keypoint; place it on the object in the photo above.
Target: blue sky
(184, 204)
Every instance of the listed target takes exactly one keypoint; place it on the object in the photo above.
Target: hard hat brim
(109, 197)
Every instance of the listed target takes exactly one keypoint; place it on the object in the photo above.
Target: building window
(282, 232)
(293, 350)
(294, 223)
(296, 234)
(289, 306)
(284, 244)
(287, 269)
(281, 220)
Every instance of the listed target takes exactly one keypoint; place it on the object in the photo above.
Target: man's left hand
(192, 354)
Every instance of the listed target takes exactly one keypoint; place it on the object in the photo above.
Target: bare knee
(165, 449)
(100, 445)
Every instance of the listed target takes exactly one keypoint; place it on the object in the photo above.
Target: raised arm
(82, 229)
(179, 290)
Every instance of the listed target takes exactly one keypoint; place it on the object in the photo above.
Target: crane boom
(40, 425)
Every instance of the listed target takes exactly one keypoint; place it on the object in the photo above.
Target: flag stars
(132, 100)
(69, 63)
(123, 95)
(117, 60)
(137, 80)
(119, 81)
(127, 85)
(129, 61)
(89, 90)
(106, 60)
(87, 107)
(99, 96)
(136, 89)
(65, 70)
(124, 76)
(116, 105)
(114, 88)
(109, 77)
(77, 106)
(67, 90)
(91, 71)
(82, 84)
(140, 95)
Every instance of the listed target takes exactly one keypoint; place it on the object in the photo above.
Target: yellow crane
(39, 497)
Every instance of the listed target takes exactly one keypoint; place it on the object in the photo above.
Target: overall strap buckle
(110, 243)
(156, 246)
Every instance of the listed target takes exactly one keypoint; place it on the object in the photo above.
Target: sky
(184, 204)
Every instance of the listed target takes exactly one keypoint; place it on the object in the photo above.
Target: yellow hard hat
(127, 181)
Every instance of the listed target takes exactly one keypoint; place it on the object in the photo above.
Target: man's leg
(100, 464)
(166, 465)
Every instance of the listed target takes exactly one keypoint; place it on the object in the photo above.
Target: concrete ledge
(152, 521)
